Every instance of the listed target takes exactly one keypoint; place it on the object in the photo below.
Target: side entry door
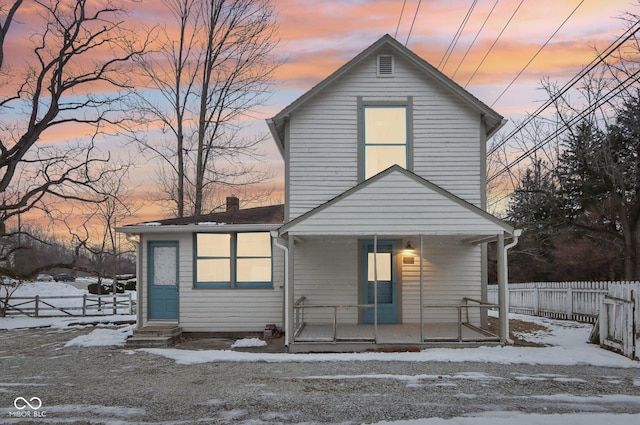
(163, 280)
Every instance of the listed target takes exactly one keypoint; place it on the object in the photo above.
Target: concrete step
(152, 331)
(150, 341)
(154, 336)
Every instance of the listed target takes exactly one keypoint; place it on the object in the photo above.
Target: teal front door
(163, 280)
(380, 267)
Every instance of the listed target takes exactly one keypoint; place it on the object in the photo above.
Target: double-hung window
(233, 260)
(385, 138)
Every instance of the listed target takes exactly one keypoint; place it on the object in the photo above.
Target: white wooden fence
(619, 320)
(578, 301)
(613, 306)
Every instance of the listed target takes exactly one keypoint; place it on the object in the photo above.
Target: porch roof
(398, 202)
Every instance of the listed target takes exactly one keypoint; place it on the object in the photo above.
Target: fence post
(536, 301)
(115, 306)
(569, 302)
(603, 320)
(84, 305)
(130, 304)
(37, 306)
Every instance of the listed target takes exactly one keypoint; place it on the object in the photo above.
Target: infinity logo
(37, 403)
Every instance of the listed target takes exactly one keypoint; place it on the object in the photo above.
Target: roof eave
(273, 128)
(198, 228)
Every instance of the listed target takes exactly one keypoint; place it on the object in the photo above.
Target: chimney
(233, 203)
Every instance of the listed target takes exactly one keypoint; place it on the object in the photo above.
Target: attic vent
(385, 66)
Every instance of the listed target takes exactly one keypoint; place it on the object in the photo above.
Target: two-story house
(382, 237)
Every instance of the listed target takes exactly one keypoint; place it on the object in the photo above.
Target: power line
(456, 37)
(475, 38)
(494, 42)
(413, 22)
(537, 53)
(614, 92)
(615, 45)
(400, 19)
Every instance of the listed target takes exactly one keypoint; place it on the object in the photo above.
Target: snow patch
(248, 342)
(102, 338)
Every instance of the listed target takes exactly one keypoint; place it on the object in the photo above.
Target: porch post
(289, 328)
(375, 286)
(421, 291)
(502, 291)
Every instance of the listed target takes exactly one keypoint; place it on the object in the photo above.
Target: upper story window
(385, 138)
(233, 260)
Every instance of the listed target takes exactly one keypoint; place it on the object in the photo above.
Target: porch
(349, 336)
(352, 273)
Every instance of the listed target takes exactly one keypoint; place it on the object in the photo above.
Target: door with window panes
(380, 266)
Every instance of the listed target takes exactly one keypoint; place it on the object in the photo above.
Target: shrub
(106, 289)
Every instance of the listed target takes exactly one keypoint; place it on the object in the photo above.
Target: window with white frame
(385, 138)
(233, 260)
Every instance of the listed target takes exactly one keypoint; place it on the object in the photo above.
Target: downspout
(505, 265)
(135, 240)
(276, 241)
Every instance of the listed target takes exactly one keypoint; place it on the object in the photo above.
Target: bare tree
(205, 83)
(97, 233)
(74, 76)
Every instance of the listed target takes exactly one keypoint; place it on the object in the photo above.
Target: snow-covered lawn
(67, 296)
(565, 345)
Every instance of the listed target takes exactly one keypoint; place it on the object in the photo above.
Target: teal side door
(387, 282)
(163, 280)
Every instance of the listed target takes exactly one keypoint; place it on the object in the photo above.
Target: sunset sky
(317, 37)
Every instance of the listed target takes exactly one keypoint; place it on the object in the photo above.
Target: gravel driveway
(115, 385)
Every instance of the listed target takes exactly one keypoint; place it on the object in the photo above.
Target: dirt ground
(517, 328)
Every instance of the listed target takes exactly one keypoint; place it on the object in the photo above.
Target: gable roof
(381, 205)
(493, 120)
(269, 216)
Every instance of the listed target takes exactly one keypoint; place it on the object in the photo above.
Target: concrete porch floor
(350, 337)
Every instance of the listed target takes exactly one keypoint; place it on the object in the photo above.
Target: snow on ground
(102, 337)
(63, 295)
(248, 342)
(565, 344)
(510, 418)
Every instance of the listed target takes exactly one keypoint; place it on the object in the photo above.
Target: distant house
(382, 237)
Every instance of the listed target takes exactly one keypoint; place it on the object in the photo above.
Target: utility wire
(400, 19)
(615, 45)
(494, 43)
(537, 53)
(413, 22)
(475, 38)
(614, 92)
(456, 37)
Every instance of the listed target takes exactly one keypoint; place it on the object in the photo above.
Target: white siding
(396, 204)
(220, 310)
(450, 272)
(323, 137)
(326, 273)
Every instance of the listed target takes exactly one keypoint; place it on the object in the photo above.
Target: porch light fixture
(408, 252)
